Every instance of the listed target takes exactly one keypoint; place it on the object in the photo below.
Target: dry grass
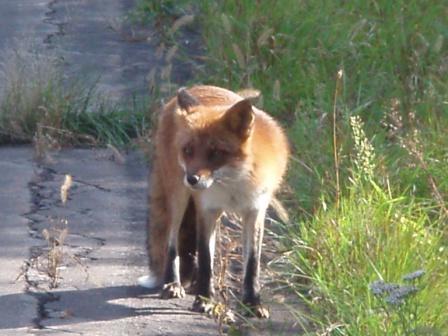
(28, 75)
(39, 105)
(53, 257)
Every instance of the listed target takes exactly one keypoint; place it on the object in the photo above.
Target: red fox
(214, 152)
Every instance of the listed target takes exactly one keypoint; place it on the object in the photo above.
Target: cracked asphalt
(102, 253)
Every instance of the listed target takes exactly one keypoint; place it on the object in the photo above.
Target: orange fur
(251, 159)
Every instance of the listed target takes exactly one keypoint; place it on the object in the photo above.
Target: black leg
(187, 246)
(172, 287)
(171, 270)
(253, 227)
(251, 285)
(204, 282)
(206, 251)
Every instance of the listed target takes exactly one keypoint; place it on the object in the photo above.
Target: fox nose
(193, 179)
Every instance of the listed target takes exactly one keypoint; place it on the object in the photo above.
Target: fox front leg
(253, 227)
(206, 240)
(172, 287)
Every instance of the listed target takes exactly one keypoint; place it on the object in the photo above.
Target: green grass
(372, 236)
(377, 223)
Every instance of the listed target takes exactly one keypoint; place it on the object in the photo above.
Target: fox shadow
(89, 305)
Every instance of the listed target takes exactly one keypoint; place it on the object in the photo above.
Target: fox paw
(260, 311)
(257, 310)
(203, 305)
(172, 290)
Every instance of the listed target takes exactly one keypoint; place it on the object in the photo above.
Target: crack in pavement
(42, 300)
(97, 186)
(92, 185)
(37, 277)
(50, 19)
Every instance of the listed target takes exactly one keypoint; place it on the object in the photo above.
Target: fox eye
(215, 154)
(188, 150)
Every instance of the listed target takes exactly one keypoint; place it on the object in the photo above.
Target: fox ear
(240, 118)
(185, 100)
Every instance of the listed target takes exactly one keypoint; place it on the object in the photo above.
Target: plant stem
(335, 144)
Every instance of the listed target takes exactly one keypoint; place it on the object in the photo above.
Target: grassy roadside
(38, 105)
(361, 88)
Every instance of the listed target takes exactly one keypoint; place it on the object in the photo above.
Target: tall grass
(374, 234)
(369, 195)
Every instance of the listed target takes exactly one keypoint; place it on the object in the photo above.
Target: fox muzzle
(198, 182)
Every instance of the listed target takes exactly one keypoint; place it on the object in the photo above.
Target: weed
(364, 152)
(55, 254)
(65, 187)
(399, 302)
(337, 93)
(55, 238)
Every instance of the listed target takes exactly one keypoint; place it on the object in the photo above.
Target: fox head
(212, 140)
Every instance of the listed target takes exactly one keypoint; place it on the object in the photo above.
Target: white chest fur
(237, 196)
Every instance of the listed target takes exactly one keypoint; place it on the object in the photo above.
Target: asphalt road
(24, 19)
(100, 238)
(17, 309)
(90, 38)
